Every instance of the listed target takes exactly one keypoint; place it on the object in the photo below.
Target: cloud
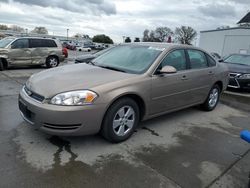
(97, 7)
(218, 10)
(118, 18)
(240, 1)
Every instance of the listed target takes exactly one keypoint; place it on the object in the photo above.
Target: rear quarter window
(50, 43)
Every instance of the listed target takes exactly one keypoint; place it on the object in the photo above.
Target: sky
(118, 18)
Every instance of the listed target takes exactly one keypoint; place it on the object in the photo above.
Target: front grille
(34, 95)
(61, 127)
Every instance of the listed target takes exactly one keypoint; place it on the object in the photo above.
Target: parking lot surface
(190, 148)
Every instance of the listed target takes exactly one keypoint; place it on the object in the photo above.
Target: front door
(171, 91)
(20, 52)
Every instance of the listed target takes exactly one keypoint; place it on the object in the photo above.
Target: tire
(80, 50)
(212, 99)
(116, 126)
(1, 65)
(52, 61)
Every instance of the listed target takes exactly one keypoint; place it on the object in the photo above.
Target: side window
(197, 59)
(211, 61)
(177, 59)
(36, 43)
(50, 43)
(20, 43)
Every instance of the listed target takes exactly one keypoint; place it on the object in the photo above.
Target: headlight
(245, 76)
(74, 98)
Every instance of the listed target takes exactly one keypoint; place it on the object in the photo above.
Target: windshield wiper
(91, 63)
(111, 68)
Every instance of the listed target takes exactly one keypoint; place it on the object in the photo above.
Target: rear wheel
(212, 99)
(52, 61)
(120, 120)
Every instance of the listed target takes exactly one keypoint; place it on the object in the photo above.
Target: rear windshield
(5, 41)
(238, 59)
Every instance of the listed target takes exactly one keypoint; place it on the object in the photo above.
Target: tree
(137, 39)
(40, 30)
(127, 40)
(4, 27)
(17, 28)
(185, 34)
(145, 37)
(102, 39)
(162, 33)
(153, 37)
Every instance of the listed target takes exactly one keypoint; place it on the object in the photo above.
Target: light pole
(67, 34)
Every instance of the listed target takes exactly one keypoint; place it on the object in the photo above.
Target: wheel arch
(134, 96)
(220, 84)
(5, 62)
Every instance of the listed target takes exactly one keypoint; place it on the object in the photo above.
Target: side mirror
(220, 60)
(168, 70)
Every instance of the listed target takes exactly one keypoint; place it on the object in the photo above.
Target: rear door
(201, 75)
(39, 51)
(20, 52)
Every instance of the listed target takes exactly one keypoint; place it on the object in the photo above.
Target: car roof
(12, 37)
(163, 45)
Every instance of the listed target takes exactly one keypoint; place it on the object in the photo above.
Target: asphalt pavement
(188, 149)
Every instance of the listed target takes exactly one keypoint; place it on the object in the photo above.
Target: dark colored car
(239, 70)
(89, 57)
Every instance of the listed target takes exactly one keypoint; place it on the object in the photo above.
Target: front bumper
(235, 81)
(61, 120)
(239, 83)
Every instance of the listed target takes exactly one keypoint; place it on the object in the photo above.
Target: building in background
(226, 41)
(229, 40)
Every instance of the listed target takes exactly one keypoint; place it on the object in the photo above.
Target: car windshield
(4, 42)
(238, 59)
(102, 52)
(129, 58)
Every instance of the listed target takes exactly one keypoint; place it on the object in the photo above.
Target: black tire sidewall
(107, 127)
(48, 61)
(1, 65)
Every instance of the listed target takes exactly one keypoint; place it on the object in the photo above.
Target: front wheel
(52, 62)
(212, 99)
(120, 120)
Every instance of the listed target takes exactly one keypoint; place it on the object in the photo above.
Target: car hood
(238, 68)
(72, 77)
(84, 57)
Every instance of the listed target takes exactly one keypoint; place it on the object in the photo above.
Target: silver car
(120, 88)
(30, 51)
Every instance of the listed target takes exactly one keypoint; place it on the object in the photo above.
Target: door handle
(210, 73)
(184, 77)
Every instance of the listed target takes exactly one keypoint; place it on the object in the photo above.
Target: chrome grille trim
(33, 95)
